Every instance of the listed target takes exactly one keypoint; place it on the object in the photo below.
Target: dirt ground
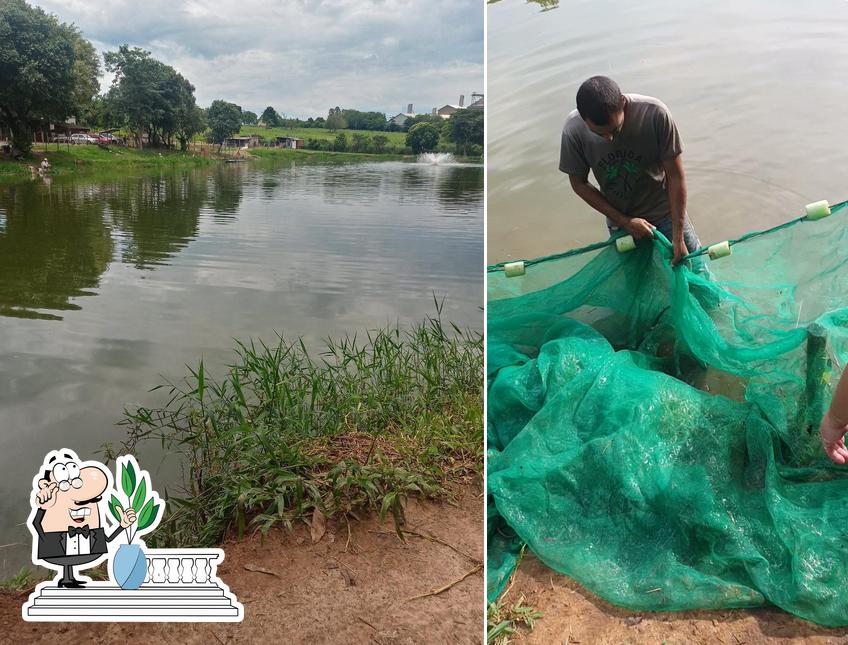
(575, 616)
(331, 591)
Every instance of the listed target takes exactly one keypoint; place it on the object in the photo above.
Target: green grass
(25, 580)
(287, 153)
(504, 620)
(76, 159)
(395, 138)
(283, 434)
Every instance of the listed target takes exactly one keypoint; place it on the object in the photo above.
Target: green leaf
(154, 513)
(140, 495)
(146, 515)
(128, 478)
(114, 505)
(388, 500)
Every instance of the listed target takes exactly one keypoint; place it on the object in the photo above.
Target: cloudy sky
(300, 56)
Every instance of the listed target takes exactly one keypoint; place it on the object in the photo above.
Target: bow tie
(74, 530)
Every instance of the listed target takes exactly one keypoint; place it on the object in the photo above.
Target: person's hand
(127, 517)
(639, 228)
(680, 251)
(45, 493)
(833, 439)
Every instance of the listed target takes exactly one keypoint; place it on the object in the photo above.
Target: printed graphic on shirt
(622, 170)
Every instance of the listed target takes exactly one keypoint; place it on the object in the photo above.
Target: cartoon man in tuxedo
(66, 522)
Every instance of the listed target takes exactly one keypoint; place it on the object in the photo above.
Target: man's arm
(835, 423)
(636, 226)
(677, 200)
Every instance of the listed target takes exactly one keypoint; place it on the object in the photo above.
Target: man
(633, 149)
(67, 523)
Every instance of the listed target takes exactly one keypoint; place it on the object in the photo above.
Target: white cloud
(300, 56)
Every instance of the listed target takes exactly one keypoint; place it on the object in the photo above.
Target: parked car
(60, 138)
(82, 138)
(106, 138)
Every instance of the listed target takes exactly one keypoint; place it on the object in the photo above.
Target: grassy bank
(395, 138)
(283, 436)
(288, 153)
(78, 159)
(90, 159)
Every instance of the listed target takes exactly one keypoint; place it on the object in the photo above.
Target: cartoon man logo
(66, 522)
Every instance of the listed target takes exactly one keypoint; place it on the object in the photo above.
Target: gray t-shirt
(629, 169)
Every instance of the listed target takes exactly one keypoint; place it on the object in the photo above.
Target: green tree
(465, 128)
(86, 70)
(357, 120)
(270, 117)
(422, 137)
(380, 141)
(248, 118)
(98, 113)
(340, 144)
(224, 119)
(149, 96)
(47, 70)
(336, 120)
(191, 120)
(360, 142)
(435, 119)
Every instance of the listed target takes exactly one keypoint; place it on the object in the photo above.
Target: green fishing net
(653, 430)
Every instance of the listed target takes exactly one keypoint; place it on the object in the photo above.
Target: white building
(400, 119)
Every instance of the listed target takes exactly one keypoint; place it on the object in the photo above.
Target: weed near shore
(286, 436)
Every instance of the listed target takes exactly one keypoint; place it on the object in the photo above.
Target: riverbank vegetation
(286, 435)
(86, 159)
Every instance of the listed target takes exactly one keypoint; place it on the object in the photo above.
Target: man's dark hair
(598, 99)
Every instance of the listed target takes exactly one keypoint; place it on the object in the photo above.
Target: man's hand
(680, 251)
(45, 493)
(833, 439)
(639, 228)
(127, 517)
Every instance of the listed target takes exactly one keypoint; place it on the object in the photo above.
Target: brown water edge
(345, 588)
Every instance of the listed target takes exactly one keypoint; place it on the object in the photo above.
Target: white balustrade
(181, 566)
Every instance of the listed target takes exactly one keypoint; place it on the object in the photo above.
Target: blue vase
(129, 566)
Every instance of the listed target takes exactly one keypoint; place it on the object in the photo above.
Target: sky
(300, 56)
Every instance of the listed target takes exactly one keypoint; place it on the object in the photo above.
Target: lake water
(106, 284)
(757, 87)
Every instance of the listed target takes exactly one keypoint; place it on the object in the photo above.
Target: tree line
(49, 72)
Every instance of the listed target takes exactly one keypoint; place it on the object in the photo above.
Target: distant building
(401, 119)
(479, 104)
(240, 142)
(288, 142)
(446, 110)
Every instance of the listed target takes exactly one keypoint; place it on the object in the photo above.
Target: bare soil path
(361, 590)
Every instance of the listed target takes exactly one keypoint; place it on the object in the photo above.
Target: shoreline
(273, 464)
(87, 160)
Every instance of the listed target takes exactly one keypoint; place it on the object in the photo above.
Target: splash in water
(436, 158)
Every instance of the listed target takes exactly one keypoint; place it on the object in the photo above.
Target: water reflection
(155, 218)
(182, 263)
(54, 246)
(225, 189)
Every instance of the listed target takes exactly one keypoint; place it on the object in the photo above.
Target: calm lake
(106, 284)
(757, 88)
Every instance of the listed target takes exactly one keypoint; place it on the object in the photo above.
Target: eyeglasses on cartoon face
(67, 475)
